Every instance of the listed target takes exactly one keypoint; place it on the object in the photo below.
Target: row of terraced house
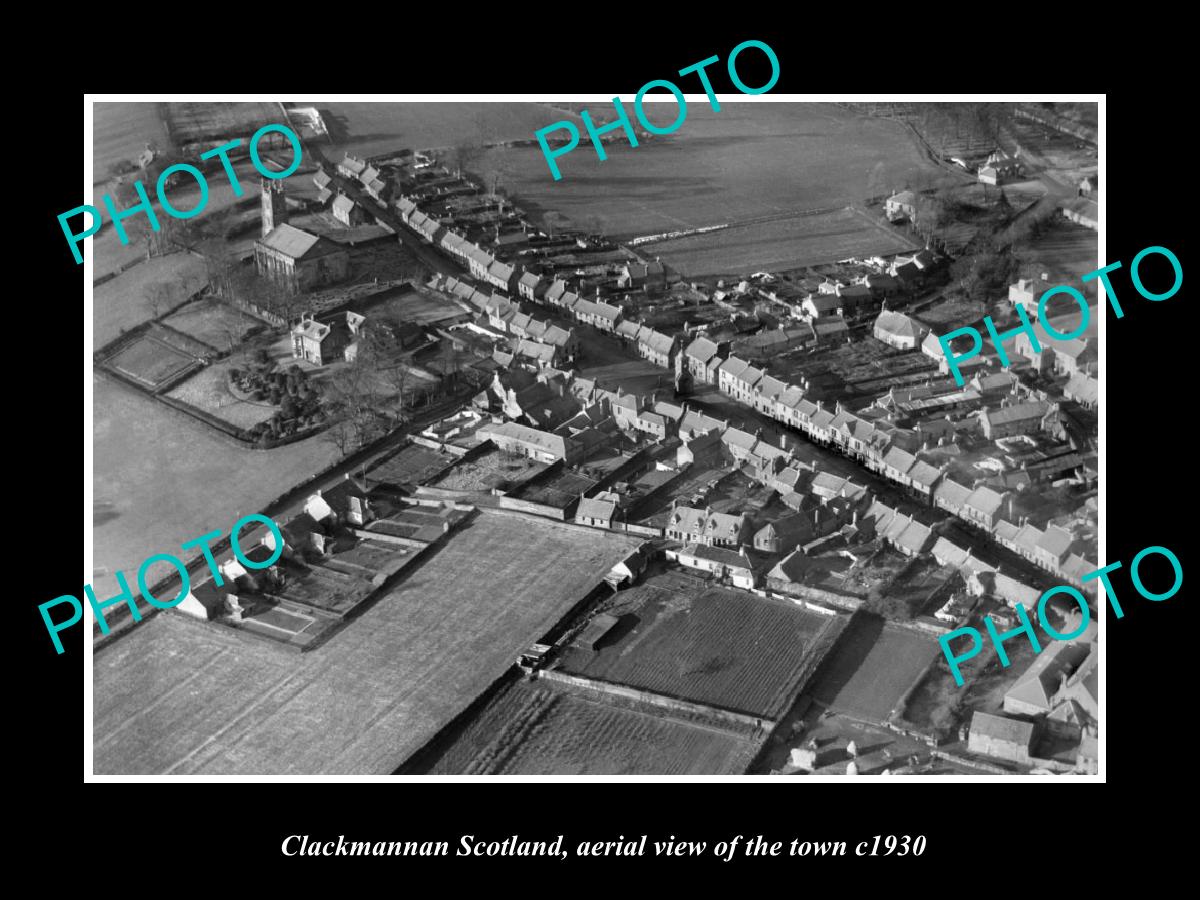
(876, 443)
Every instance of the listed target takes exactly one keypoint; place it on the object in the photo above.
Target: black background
(991, 832)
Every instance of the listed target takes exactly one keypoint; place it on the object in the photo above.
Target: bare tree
(159, 295)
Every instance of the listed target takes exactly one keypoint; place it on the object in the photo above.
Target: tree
(159, 296)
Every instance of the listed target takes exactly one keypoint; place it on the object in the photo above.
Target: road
(607, 358)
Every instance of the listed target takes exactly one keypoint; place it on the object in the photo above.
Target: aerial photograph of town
(658, 468)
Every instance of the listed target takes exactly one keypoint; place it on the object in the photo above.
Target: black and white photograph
(484, 437)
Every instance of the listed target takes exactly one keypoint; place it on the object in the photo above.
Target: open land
(745, 161)
(144, 506)
(173, 696)
(208, 390)
(217, 324)
(782, 244)
(709, 645)
(542, 728)
(873, 665)
(369, 129)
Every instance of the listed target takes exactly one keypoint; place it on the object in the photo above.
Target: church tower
(274, 206)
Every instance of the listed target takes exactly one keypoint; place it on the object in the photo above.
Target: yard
(540, 728)
(679, 636)
(871, 667)
(494, 468)
(216, 323)
(208, 390)
(175, 696)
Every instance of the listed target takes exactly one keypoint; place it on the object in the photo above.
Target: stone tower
(274, 207)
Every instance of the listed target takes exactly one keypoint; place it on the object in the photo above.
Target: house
(321, 343)
(501, 275)
(1052, 547)
(898, 330)
(348, 212)
(1000, 168)
(737, 567)
(597, 512)
(951, 496)
(530, 286)
(982, 507)
(1083, 389)
(831, 329)
(351, 167)
(642, 275)
(703, 526)
(299, 260)
(1024, 294)
(541, 445)
(702, 450)
(703, 358)
(815, 306)
(1001, 737)
(1016, 418)
(901, 206)
(1034, 693)
(788, 533)
(657, 347)
(855, 298)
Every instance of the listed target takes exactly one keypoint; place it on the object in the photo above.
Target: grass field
(710, 645)
(414, 307)
(539, 728)
(173, 696)
(143, 506)
(744, 161)
(871, 667)
(781, 244)
(211, 321)
(120, 132)
(122, 302)
(368, 129)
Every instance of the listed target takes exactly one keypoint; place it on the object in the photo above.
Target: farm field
(207, 390)
(369, 129)
(142, 506)
(679, 636)
(871, 667)
(540, 728)
(415, 307)
(120, 132)
(217, 324)
(177, 696)
(746, 160)
(781, 244)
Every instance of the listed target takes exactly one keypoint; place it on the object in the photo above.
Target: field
(781, 244)
(217, 324)
(143, 506)
(122, 302)
(871, 667)
(150, 361)
(540, 728)
(745, 161)
(120, 132)
(709, 645)
(207, 390)
(369, 129)
(215, 122)
(173, 696)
